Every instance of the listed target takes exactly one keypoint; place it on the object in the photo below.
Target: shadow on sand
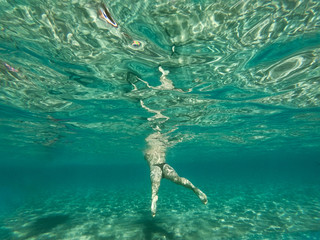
(46, 224)
(152, 229)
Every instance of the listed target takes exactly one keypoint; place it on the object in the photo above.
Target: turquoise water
(234, 85)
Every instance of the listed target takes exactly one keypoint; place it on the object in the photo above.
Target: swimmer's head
(105, 14)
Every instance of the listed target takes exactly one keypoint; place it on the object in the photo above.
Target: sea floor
(243, 211)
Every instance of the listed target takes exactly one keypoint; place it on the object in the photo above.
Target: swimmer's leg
(156, 176)
(170, 173)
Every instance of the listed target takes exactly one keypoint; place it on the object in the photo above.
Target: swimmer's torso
(156, 151)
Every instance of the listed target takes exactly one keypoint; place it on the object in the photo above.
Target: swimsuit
(160, 165)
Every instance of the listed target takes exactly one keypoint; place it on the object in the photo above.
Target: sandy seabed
(233, 212)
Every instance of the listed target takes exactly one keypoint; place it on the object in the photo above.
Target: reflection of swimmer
(155, 155)
(52, 132)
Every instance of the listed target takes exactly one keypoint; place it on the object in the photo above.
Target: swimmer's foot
(154, 206)
(201, 195)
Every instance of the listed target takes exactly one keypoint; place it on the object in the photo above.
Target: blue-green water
(234, 85)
